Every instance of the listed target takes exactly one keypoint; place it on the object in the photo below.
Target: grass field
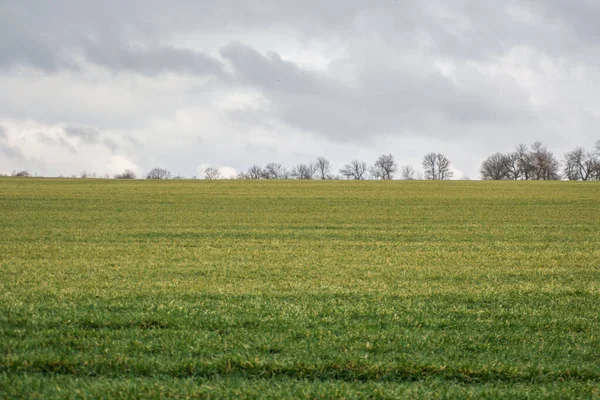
(299, 289)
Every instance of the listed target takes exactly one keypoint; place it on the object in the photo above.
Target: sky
(103, 86)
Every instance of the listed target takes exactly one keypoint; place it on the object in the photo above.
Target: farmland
(299, 289)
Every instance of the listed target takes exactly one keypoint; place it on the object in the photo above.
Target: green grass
(299, 289)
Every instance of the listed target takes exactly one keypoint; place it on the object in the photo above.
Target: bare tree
(127, 174)
(495, 167)
(444, 171)
(212, 173)
(436, 167)
(429, 164)
(579, 164)
(408, 173)
(304, 171)
(158, 173)
(384, 168)
(254, 172)
(596, 169)
(355, 170)
(524, 162)
(275, 171)
(570, 170)
(512, 166)
(544, 165)
(21, 174)
(323, 167)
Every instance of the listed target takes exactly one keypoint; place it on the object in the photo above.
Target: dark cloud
(117, 57)
(75, 33)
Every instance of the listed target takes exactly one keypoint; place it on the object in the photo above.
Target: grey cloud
(91, 136)
(105, 32)
(152, 61)
(60, 141)
(5, 149)
(270, 72)
(11, 152)
(85, 134)
(111, 145)
(101, 38)
(389, 98)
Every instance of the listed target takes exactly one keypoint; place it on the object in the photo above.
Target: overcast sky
(107, 85)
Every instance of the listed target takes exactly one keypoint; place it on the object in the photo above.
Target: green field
(299, 289)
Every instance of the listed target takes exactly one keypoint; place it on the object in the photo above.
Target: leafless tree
(323, 167)
(513, 169)
(429, 164)
(524, 162)
(544, 165)
(304, 171)
(254, 172)
(444, 171)
(275, 171)
(596, 170)
(158, 173)
(384, 168)
(570, 170)
(355, 170)
(212, 173)
(21, 174)
(495, 167)
(579, 164)
(436, 167)
(127, 174)
(408, 173)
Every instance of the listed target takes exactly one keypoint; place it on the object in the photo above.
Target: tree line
(534, 162)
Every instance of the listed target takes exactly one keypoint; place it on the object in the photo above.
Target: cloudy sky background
(107, 85)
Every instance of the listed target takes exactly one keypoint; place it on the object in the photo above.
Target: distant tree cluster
(158, 173)
(21, 174)
(384, 168)
(536, 162)
(127, 174)
(582, 165)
